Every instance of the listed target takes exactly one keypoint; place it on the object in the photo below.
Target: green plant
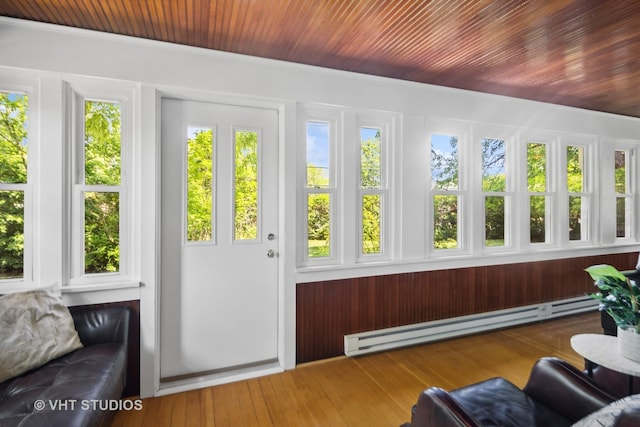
(618, 296)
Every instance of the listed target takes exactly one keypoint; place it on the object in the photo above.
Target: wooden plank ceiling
(582, 53)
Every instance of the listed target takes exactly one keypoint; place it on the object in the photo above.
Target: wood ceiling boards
(582, 53)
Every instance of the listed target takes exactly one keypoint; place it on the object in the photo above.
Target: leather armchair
(556, 394)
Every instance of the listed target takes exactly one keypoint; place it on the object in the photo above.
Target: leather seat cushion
(95, 372)
(499, 403)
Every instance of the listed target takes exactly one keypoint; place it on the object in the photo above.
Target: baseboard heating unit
(419, 333)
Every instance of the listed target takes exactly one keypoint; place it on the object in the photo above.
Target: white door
(219, 292)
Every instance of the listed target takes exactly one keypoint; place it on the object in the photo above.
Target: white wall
(52, 53)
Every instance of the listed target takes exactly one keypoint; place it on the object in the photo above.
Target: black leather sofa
(556, 394)
(81, 388)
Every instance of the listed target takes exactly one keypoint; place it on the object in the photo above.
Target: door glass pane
(318, 163)
(577, 210)
(11, 234)
(101, 232)
(13, 138)
(537, 167)
(370, 169)
(494, 221)
(318, 225)
(102, 143)
(538, 219)
(444, 162)
(199, 184)
(246, 186)
(575, 175)
(493, 165)
(371, 220)
(445, 222)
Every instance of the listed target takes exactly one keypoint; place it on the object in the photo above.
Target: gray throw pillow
(606, 417)
(35, 327)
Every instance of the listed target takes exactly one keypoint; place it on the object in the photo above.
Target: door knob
(271, 253)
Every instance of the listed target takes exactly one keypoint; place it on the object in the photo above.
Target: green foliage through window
(13, 173)
(199, 185)
(370, 181)
(318, 168)
(537, 167)
(445, 222)
(623, 205)
(102, 232)
(494, 221)
(371, 220)
(318, 225)
(102, 175)
(538, 219)
(370, 157)
(575, 176)
(102, 142)
(444, 162)
(493, 165)
(246, 185)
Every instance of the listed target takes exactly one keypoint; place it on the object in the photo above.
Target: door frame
(151, 123)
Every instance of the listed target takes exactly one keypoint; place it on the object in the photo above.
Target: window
(373, 191)
(200, 174)
(320, 189)
(494, 187)
(14, 186)
(246, 185)
(344, 213)
(538, 191)
(99, 199)
(577, 193)
(624, 198)
(445, 166)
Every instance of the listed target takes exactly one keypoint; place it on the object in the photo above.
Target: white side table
(602, 350)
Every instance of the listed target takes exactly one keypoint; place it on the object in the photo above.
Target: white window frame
(586, 194)
(103, 92)
(550, 193)
(344, 188)
(385, 123)
(30, 188)
(466, 166)
(632, 148)
(510, 211)
(334, 118)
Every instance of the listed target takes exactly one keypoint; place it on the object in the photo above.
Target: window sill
(90, 287)
(101, 293)
(308, 274)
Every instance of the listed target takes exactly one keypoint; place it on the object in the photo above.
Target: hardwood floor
(374, 390)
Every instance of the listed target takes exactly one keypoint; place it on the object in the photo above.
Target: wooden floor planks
(374, 390)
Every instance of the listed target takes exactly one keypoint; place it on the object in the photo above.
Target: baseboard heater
(419, 333)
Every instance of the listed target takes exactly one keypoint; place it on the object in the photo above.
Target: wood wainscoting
(326, 311)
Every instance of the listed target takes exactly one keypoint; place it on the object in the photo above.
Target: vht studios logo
(88, 405)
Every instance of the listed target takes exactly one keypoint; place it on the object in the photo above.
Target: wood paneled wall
(326, 311)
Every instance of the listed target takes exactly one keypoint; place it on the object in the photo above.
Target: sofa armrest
(436, 407)
(565, 389)
(97, 325)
